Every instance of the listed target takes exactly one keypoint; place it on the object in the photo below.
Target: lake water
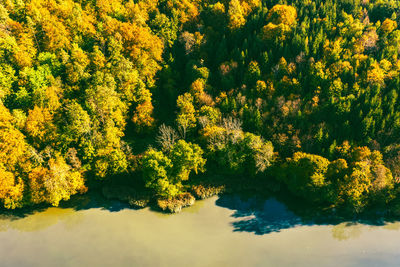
(229, 231)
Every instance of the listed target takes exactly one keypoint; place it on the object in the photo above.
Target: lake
(226, 231)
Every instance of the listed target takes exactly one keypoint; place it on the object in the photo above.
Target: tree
(106, 108)
(186, 118)
(263, 152)
(281, 19)
(142, 117)
(185, 11)
(56, 34)
(369, 180)
(388, 26)
(355, 187)
(237, 152)
(305, 175)
(13, 147)
(110, 161)
(282, 14)
(186, 157)
(166, 29)
(253, 73)
(236, 16)
(209, 116)
(140, 44)
(77, 122)
(55, 182)
(11, 190)
(164, 173)
(76, 68)
(39, 125)
(7, 78)
(167, 137)
(155, 167)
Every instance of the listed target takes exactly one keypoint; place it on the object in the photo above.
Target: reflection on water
(351, 230)
(346, 230)
(392, 226)
(229, 231)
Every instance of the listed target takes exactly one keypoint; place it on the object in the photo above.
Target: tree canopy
(303, 93)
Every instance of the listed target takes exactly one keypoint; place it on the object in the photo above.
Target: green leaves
(237, 152)
(186, 157)
(164, 173)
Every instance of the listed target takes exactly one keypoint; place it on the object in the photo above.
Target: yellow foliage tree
(282, 14)
(55, 183)
(142, 117)
(235, 15)
(376, 75)
(186, 10)
(39, 124)
(12, 142)
(281, 19)
(249, 5)
(13, 156)
(187, 114)
(11, 191)
(140, 44)
(388, 26)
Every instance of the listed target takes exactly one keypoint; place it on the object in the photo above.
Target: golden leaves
(282, 18)
(39, 124)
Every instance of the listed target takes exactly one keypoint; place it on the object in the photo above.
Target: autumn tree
(186, 118)
(281, 20)
(11, 190)
(55, 182)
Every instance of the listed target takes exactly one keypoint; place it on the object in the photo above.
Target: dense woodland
(303, 94)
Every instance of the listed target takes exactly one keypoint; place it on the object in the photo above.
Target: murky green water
(224, 232)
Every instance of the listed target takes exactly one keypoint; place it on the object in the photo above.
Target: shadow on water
(257, 215)
(91, 200)
(254, 214)
(41, 217)
(264, 215)
(95, 200)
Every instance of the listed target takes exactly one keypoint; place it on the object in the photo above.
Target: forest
(166, 101)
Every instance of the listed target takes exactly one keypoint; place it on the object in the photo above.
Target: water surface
(216, 232)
